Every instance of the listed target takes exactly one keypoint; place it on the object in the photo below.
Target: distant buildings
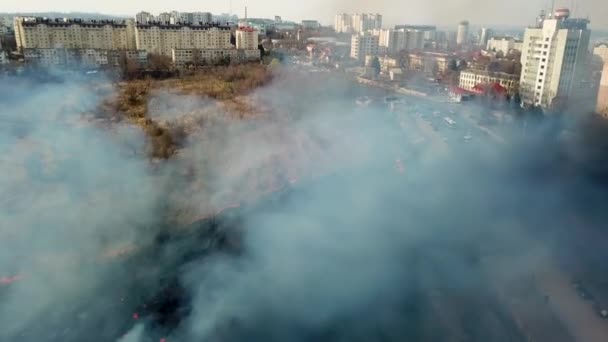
(343, 23)
(363, 45)
(484, 36)
(462, 34)
(105, 42)
(393, 41)
(470, 79)
(310, 24)
(143, 18)
(554, 56)
(503, 44)
(357, 23)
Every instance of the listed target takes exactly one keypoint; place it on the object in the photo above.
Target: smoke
(310, 219)
(71, 191)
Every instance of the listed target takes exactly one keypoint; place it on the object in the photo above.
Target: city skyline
(513, 13)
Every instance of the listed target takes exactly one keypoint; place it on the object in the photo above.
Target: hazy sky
(440, 12)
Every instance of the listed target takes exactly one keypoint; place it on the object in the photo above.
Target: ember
(136, 316)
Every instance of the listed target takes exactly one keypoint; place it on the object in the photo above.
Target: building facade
(503, 44)
(462, 34)
(429, 62)
(484, 36)
(40, 33)
(343, 23)
(246, 38)
(553, 59)
(162, 39)
(363, 45)
(469, 79)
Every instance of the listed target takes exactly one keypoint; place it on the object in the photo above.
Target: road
(577, 314)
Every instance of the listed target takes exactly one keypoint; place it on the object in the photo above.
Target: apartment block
(42, 33)
(553, 60)
(363, 45)
(246, 38)
(469, 79)
(162, 39)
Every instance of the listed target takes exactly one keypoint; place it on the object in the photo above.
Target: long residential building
(469, 79)
(553, 60)
(42, 33)
(55, 41)
(162, 39)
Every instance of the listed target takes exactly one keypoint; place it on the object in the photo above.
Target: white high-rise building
(400, 40)
(365, 22)
(462, 34)
(553, 60)
(363, 45)
(343, 23)
(484, 35)
(143, 17)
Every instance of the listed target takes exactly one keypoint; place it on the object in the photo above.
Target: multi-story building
(162, 39)
(400, 39)
(246, 38)
(343, 23)
(40, 33)
(363, 45)
(601, 50)
(602, 97)
(183, 57)
(143, 18)
(484, 36)
(386, 63)
(462, 34)
(554, 56)
(3, 56)
(165, 18)
(365, 22)
(82, 57)
(429, 62)
(310, 24)
(503, 44)
(469, 79)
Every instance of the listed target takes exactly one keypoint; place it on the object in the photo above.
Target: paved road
(577, 314)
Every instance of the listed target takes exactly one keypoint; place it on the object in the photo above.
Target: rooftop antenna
(245, 12)
(230, 8)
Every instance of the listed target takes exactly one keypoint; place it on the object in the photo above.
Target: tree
(376, 65)
(159, 62)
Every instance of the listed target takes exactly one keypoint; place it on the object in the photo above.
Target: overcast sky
(440, 12)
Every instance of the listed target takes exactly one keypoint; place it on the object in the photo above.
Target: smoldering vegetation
(291, 225)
